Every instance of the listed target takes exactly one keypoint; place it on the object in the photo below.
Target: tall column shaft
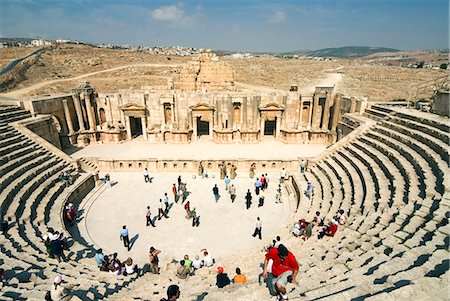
(336, 112)
(310, 115)
(144, 127)
(90, 112)
(211, 128)
(353, 105)
(194, 127)
(68, 117)
(76, 102)
(316, 115)
(326, 112)
(300, 114)
(278, 127)
(128, 127)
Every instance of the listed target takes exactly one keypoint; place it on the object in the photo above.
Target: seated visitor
(296, 230)
(115, 270)
(318, 219)
(130, 267)
(222, 279)
(197, 263)
(208, 261)
(306, 232)
(187, 262)
(329, 230)
(239, 278)
(342, 217)
(99, 257)
(105, 264)
(182, 270)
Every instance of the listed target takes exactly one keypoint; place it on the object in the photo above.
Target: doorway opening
(136, 126)
(270, 127)
(202, 127)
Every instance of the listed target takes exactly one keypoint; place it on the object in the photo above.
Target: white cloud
(171, 13)
(278, 17)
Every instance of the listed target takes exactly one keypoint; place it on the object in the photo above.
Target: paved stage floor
(269, 149)
(225, 227)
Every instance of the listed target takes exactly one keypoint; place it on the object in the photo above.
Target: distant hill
(349, 51)
(19, 40)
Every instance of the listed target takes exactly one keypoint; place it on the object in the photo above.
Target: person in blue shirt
(99, 258)
(124, 237)
(227, 183)
(257, 186)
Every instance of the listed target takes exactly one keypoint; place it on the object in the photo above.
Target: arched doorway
(102, 114)
(237, 115)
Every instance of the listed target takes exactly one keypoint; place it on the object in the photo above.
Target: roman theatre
(385, 164)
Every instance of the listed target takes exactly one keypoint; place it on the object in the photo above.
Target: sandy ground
(225, 227)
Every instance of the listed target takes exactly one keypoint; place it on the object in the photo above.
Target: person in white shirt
(146, 176)
(130, 267)
(208, 261)
(197, 263)
(282, 175)
(258, 228)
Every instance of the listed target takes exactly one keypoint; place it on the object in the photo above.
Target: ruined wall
(204, 74)
(441, 103)
(44, 127)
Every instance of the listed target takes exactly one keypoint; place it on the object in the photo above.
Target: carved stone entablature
(133, 110)
(202, 107)
(271, 107)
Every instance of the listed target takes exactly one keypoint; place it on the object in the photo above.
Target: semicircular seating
(390, 179)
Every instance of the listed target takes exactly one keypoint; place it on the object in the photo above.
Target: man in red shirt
(284, 269)
(330, 230)
(175, 193)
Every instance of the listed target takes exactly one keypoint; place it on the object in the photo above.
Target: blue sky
(234, 25)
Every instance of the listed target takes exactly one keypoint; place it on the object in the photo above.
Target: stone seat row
(32, 194)
(418, 231)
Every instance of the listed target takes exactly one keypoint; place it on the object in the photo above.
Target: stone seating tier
(395, 246)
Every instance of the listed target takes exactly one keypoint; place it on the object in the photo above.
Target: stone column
(278, 126)
(128, 127)
(76, 102)
(261, 127)
(68, 117)
(172, 111)
(90, 113)
(300, 113)
(316, 115)
(309, 115)
(326, 112)
(336, 112)
(353, 105)
(144, 127)
(194, 127)
(211, 128)
(244, 109)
